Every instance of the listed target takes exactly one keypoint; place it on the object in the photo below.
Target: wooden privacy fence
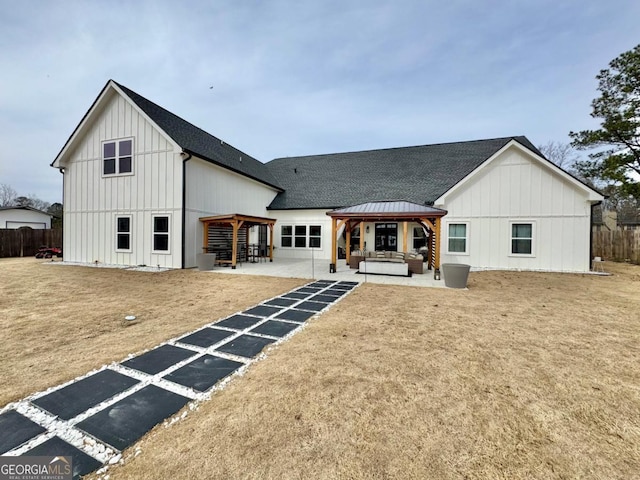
(25, 242)
(619, 245)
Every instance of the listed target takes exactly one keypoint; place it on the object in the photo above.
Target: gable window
(457, 238)
(286, 236)
(123, 233)
(161, 234)
(117, 157)
(522, 238)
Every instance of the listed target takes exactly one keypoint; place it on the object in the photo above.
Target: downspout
(184, 204)
(593, 205)
(61, 170)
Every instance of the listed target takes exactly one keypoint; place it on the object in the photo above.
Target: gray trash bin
(206, 261)
(455, 274)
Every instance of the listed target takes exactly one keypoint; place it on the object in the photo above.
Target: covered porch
(236, 242)
(401, 212)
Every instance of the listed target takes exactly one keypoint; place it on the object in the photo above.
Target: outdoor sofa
(413, 260)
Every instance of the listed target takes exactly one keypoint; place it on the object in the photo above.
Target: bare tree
(7, 195)
(562, 154)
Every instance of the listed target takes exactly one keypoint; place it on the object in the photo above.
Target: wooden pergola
(405, 212)
(236, 221)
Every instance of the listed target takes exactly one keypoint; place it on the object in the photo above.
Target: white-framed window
(301, 236)
(286, 236)
(117, 157)
(315, 236)
(123, 233)
(522, 238)
(160, 233)
(457, 238)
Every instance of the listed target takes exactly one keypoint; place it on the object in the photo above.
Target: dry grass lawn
(525, 375)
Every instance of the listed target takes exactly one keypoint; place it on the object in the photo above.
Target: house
(24, 217)
(144, 186)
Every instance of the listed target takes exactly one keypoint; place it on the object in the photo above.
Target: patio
(319, 269)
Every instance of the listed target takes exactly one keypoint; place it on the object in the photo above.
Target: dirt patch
(525, 375)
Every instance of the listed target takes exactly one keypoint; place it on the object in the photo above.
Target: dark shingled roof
(200, 143)
(414, 174)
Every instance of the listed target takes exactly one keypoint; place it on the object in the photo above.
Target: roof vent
(240, 159)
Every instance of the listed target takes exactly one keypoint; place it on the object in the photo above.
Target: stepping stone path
(93, 418)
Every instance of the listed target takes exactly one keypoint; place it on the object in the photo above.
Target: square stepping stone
(335, 292)
(263, 311)
(344, 282)
(124, 422)
(245, 346)
(275, 328)
(16, 429)
(56, 447)
(238, 322)
(297, 295)
(308, 290)
(323, 298)
(282, 302)
(327, 282)
(342, 286)
(204, 372)
(79, 396)
(295, 315)
(314, 306)
(318, 285)
(206, 337)
(158, 359)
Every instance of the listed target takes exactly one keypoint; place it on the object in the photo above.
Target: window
(522, 238)
(117, 157)
(123, 233)
(300, 239)
(315, 236)
(301, 236)
(457, 238)
(286, 236)
(161, 234)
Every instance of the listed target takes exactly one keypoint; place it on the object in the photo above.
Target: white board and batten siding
(517, 187)
(308, 217)
(92, 201)
(213, 190)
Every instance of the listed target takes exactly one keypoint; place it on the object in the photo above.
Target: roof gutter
(185, 158)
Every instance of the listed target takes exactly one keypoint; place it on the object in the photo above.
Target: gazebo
(236, 222)
(396, 211)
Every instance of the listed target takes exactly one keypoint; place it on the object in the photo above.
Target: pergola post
(205, 237)
(361, 235)
(271, 227)
(234, 245)
(334, 233)
(404, 235)
(348, 245)
(437, 243)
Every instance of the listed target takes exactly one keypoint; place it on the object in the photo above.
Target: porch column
(362, 235)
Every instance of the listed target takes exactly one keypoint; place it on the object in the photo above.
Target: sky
(283, 78)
